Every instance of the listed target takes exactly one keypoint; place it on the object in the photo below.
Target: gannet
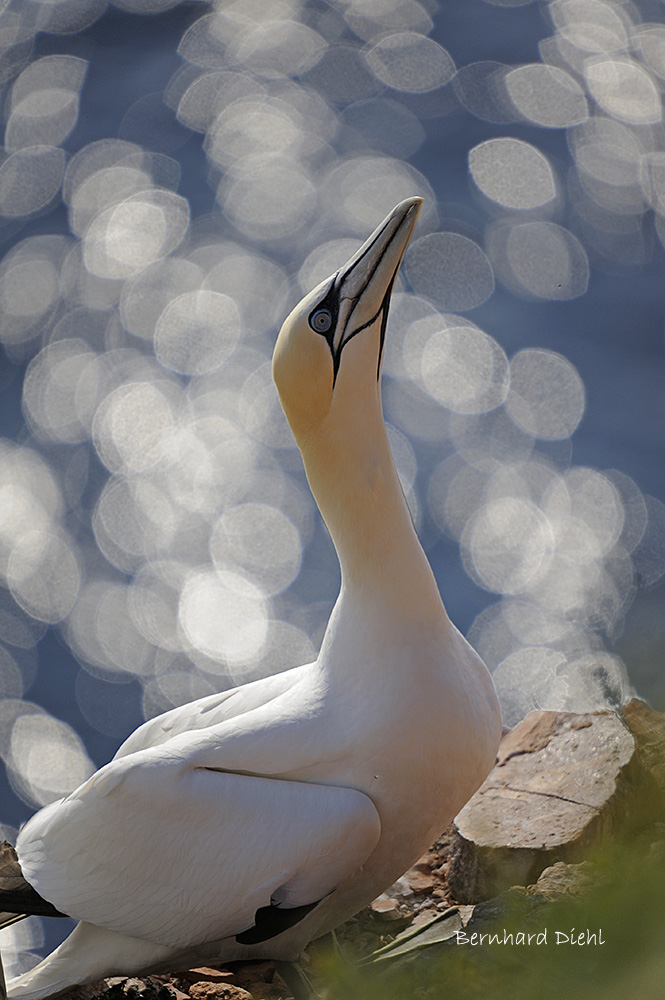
(247, 823)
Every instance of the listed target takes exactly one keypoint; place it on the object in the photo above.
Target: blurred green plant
(625, 910)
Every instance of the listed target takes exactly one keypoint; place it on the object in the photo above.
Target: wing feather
(211, 710)
(180, 854)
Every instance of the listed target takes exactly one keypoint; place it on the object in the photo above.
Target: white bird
(247, 823)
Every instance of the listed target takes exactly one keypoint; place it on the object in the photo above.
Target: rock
(423, 916)
(86, 992)
(261, 980)
(560, 782)
(125, 988)
(648, 728)
(206, 975)
(218, 991)
(212, 975)
(250, 973)
(262, 990)
(199, 984)
(561, 881)
(386, 908)
(420, 882)
(466, 912)
(400, 889)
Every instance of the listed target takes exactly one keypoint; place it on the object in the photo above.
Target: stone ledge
(561, 782)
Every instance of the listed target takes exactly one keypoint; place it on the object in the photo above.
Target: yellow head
(329, 350)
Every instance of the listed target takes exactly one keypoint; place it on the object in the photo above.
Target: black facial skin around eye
(328, 306)
(323, 319)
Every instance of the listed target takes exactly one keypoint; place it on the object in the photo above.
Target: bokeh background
(175, 175)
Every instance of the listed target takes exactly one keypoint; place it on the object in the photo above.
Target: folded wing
(177, 853)
(204, 713)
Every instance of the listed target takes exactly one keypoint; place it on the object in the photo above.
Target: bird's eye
(321, 320)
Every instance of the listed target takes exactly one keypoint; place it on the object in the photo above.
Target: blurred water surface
(174, 177)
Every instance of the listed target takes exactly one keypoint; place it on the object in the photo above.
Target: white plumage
(319, 785)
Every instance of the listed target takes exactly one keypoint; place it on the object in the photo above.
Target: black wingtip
(272, 920)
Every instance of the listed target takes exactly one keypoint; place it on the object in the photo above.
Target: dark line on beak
(383, 308)
(384, 320)
(341, 278)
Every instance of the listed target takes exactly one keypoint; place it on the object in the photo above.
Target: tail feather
(18, 899)
(89, 954)
(16, 895)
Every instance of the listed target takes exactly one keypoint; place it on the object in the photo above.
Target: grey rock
(648, 728)
(561, 782)
(563, 881)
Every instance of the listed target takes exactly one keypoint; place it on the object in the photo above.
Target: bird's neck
(354, 480)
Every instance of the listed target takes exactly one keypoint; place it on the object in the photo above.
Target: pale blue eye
(321, 320)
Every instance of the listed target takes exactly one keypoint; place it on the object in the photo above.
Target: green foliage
(627, 907)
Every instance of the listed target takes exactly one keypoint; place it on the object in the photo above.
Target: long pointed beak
(364, 285)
